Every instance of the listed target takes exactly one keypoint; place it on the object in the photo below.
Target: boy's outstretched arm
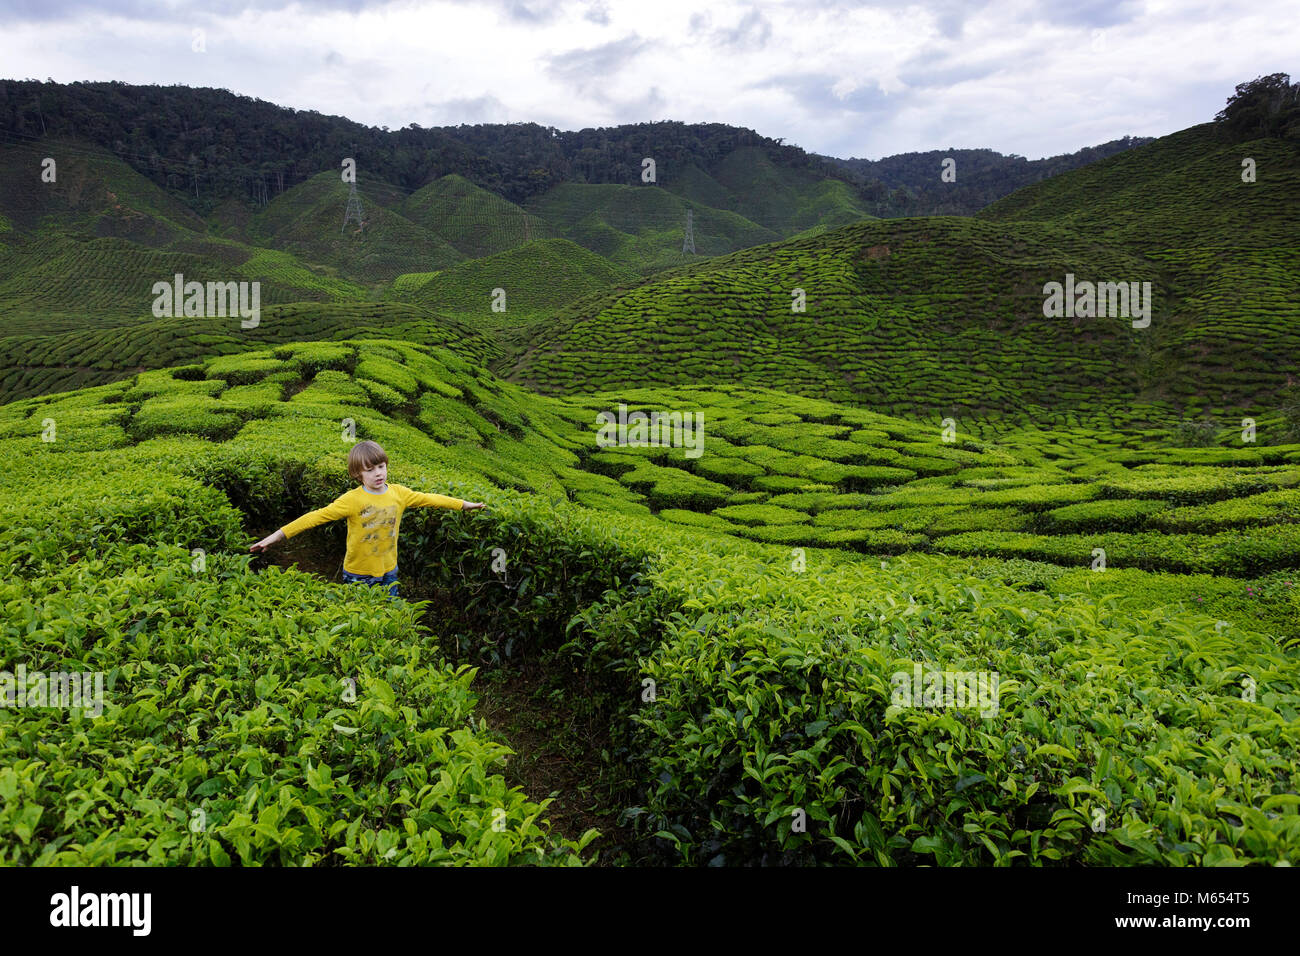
(339, 508)
(275, 537)
(418, 499)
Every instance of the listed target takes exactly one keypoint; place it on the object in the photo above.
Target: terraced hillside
(915, 314)
(924, 314)
(1231, 248)
(62, 285)
(535, 280)
(84, 251)
(1166, 701)
(44, 364)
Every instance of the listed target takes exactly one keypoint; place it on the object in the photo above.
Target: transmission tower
(688, 244)
(354, 208)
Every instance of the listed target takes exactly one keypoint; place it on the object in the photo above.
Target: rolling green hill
(93, 194)
(1229, 249)
(307, 221)
(642, 227)
(782, 199)
(925, 314)
(1181, 190)
(83, 252)
(907, 314)
(59, 284)
(476, 222)
(537, 278)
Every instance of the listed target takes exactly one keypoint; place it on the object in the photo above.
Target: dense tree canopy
(909, 184)
(1267, 106)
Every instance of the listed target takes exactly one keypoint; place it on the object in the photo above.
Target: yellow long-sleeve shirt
(373, 520)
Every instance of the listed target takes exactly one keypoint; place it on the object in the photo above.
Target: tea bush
(224, 701)
(777, 709)
(1112, 514)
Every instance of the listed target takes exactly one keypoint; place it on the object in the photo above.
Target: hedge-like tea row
(1234, 553)
(775, 706)
(226, 712)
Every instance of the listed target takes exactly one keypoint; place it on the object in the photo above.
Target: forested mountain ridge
(911, 184)
(208, 146)
(213, 145)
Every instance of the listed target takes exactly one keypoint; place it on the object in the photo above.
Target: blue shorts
(390, 579)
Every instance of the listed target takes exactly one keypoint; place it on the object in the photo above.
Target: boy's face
(375, 476)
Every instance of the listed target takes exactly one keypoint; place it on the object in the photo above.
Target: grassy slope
(743, 201)
(477, 222)
(307, 221)
(925, 314)
(94, 194)
(537, 277)
(78, 252)
(63, 285)
(921, 314)
(783, 199)
(1228, 249)
(85, 250)
(642, 227)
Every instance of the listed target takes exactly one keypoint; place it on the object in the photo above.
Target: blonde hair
(365, 454)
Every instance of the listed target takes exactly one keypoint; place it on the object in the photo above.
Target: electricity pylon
(354, 208)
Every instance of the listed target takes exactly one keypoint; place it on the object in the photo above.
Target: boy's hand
(473, 505)
(266, 542)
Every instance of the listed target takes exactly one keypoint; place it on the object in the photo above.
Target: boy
(374, 511)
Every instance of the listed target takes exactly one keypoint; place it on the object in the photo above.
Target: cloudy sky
(1034, 77)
